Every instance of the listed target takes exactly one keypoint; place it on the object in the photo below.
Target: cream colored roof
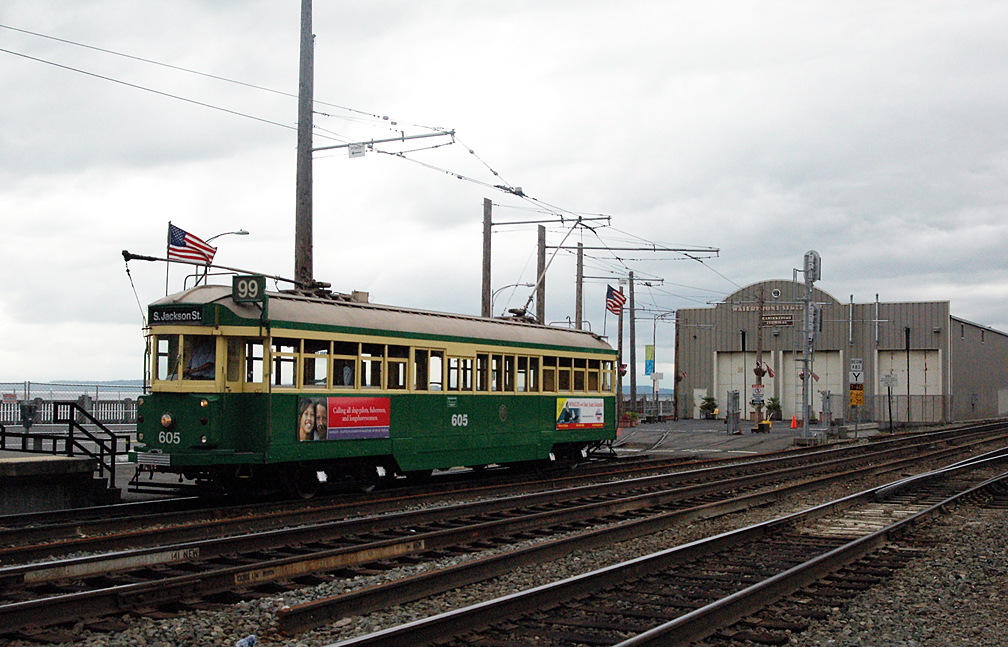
(291, 308)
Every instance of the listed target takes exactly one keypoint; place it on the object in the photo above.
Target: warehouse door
(827, 375)
(925, 391)
(735, 373)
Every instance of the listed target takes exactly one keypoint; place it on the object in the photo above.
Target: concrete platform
(703, 439)
(41, 482)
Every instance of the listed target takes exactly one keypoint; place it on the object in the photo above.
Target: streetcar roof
(351, 316)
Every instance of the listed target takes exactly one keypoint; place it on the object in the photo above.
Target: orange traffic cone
(794, 421)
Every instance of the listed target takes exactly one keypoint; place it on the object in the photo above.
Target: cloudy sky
(872, 132)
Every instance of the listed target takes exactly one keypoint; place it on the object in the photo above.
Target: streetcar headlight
(204, 403)
(140, 436)
(167, 420)
(203, 439)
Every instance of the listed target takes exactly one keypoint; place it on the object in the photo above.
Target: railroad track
(755, 583)
(28, 538)
(52, 593)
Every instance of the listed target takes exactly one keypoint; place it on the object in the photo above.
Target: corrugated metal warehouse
(938, 368)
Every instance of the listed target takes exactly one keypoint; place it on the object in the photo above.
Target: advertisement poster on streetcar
(580, 413)
(343, 418)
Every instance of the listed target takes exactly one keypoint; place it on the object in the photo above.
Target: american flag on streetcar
(184, 246)
(614, 300)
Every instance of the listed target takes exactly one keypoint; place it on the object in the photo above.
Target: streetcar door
(246, 370)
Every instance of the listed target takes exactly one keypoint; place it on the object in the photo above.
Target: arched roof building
(942, 368)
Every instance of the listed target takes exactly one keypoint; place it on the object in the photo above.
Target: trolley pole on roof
(303, 270)
(541, 272)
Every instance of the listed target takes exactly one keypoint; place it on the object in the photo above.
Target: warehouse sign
(775, 319)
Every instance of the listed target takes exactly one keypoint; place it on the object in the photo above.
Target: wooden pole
(303, 270)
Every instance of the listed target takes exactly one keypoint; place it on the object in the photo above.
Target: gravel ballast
(955, 595)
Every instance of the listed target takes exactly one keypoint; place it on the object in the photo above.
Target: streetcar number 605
(460, 420)
(169, 438)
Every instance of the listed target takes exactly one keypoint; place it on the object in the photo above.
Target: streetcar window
(234, 360)
(285, 355)
(166, 357)
(315, 359)
(549, 374)
(420, 360)
(436, 370)
(466, 374)
(579, 374)
(396, 374)
(398, 356)
(344, 363)
(453, 373)
(593, 374)
(520, 381)
(482, 372)
(564, 374)
(509, 373)
(496, 373)
(371, 365)
(199, 355)
(254, 361)
(533, 375)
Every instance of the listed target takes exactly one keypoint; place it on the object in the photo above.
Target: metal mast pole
(303, 270)
(579, 290)
(487, 226)
(633, 350)
(540, 272)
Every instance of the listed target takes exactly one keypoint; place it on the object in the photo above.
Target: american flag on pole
(614, 300)
(184, 246)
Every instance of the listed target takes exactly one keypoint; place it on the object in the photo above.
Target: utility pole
(540, 272)
(619, 362)
(303, 270)
(759, 360)
(487, 225)
(633, 349)
(579, 290)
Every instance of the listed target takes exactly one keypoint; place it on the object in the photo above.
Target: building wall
(957, 370)
(980, 371)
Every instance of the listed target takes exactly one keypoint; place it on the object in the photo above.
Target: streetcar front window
(166, 357)
(199, 355)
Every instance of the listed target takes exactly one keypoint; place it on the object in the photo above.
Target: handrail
(104, 440)
(68, 412)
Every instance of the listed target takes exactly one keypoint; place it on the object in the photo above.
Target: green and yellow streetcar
(249, 389)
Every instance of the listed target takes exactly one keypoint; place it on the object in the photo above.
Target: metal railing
(96, 441)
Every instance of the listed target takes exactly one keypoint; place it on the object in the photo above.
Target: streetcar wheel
(305, 483)
(371, 478)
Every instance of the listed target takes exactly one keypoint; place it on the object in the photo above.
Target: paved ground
(703, 438)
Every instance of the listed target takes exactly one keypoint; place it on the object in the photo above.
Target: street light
(206, 270)
(513, 285)
(240, 232)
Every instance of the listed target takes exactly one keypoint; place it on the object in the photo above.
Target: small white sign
(657, 377)
(857, 377)
(856, 365)
(888, 380)
(356, 150)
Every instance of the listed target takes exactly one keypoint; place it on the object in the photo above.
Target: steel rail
(68, 607)
(446, 625)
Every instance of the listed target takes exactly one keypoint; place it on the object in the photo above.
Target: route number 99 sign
(248, 289)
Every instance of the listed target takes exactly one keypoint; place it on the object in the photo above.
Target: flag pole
(167, 265)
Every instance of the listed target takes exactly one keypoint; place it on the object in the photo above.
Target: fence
(107, 403)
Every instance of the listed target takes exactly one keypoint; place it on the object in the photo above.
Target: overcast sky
(872, 132)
